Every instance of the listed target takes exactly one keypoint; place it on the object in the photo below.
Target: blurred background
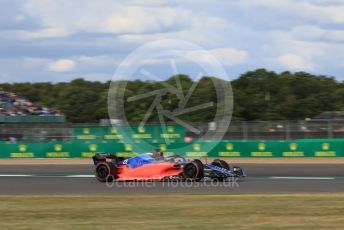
(299, 108)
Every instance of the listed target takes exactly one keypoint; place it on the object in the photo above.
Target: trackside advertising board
(256, 149)
(131, 134)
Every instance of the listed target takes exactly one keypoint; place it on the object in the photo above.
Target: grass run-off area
(139, 212)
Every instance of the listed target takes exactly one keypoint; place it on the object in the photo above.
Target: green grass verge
(251, 211)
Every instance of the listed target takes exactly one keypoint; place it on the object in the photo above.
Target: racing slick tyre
(105, 171)
(194, 170)
(217, 175)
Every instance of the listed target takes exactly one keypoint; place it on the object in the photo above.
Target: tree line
(258, 95)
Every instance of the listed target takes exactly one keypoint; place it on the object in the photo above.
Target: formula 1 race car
(146, 166)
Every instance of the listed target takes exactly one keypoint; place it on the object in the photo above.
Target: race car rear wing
(103, 157)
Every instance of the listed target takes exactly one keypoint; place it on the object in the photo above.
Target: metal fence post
(330, 129)
(287, 130)
(244, 129)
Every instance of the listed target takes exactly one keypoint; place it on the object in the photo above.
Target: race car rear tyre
(194, 170)
(222, 164)
(105, 171)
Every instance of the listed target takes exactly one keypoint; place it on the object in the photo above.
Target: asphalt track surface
(78, 179)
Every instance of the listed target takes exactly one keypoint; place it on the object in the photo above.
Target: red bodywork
(154, 171)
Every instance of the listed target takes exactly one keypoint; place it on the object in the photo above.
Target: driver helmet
(158, 153)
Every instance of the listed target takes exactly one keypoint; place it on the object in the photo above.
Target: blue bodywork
(225, 171)
(139, 160)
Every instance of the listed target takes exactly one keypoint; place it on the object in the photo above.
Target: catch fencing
(259, 130)
(245, 139)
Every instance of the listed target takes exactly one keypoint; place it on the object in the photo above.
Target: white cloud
(294, 62)
(23, 35)
(312, 32)
(55, 70)
(19, 18)
(46, 33)
(242, 34)
(204, 30)
(148, 2)
(140, 20)
(331, 12)
(105, 16)
(102, 60)
(61, 65)
(226, 56)
(230, 56)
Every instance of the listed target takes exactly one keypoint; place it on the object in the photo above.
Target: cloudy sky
(59, 40)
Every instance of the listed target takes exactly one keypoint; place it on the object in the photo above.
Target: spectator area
(13, 105)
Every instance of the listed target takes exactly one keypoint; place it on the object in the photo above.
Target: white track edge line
(301, 178)
(37, 175)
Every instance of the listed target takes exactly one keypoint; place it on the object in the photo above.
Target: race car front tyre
(238, 171)
(200, 165)
(217, 175)
(194, 170)
(105, 171)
